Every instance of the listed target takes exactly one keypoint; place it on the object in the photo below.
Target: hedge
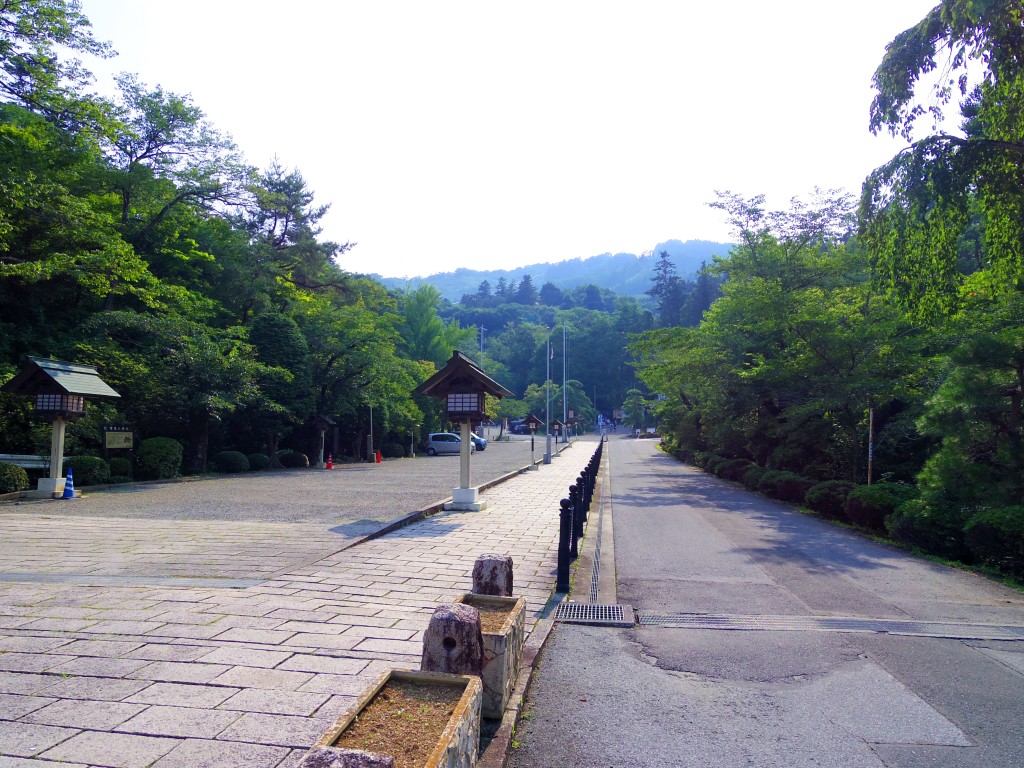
(829, 498)
(230, 462)
(292, 459)
(88, 470)
(159, 458)
(258, 461)
(869, 505)
(12, 478)
(785, 486)
(392, 451)
(996, 537)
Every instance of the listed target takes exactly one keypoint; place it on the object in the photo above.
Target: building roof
(460, 374)
(40, 375)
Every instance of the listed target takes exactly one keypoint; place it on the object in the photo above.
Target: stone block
(452, 643)
(492, 575)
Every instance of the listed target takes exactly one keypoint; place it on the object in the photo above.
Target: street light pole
(547, 406)
(565, 394)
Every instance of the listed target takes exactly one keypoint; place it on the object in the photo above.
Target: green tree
(917, 209)
(551, 295)
(668, 291)
(34, 34)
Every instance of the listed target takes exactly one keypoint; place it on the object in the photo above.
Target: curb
(496, 754)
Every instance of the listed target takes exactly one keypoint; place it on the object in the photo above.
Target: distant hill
(625, 273)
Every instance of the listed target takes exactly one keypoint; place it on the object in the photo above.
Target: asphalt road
(788, 694)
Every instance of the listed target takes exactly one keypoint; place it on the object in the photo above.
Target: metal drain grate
(831, 624)
(589, 613)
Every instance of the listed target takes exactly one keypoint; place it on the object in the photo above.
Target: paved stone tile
(27, 740)
(247, 657)
(31, 644)
(396, 647)
(106, 648)
(168, 652)
(279, 730)
(190, 631)
(276, 702)
(26, 762)
(92, 715)
(124, 627)
(347, 685)
(116, 750)
(332, 642)
(263, 636)
(31, 662)
(13, 706)
(59, 625)
(308, 663)
(179, 672)
(96, 688)
(179, 721)
(99, 667)
(181, 694)
(253, 677)
(197, 753)
(380, 633)
(24, 682)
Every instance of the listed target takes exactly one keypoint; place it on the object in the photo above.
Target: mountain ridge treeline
(626, 274)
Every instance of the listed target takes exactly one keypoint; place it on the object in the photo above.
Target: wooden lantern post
(463, 387)
(59, 389)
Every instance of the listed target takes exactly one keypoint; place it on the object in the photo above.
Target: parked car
(480, 443)
(445, 442)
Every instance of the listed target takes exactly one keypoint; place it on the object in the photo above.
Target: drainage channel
(624, 616)
(831, 624)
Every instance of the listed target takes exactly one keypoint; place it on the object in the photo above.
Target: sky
(495, 135)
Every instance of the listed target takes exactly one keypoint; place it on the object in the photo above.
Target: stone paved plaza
(128, 643)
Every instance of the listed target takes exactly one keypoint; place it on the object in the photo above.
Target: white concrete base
(49, 488)
(465, 500)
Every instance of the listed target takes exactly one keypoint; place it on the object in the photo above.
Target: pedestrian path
(131, 675)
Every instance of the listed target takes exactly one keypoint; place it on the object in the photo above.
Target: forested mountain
(625, 274)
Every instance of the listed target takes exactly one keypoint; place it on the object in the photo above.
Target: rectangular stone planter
(458, 746)
(503, 649)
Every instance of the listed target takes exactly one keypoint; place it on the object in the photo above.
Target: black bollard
(564, 532)
(574, 504)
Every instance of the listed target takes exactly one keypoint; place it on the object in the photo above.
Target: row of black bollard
(572, 515)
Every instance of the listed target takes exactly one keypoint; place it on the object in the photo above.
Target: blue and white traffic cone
(69, 487)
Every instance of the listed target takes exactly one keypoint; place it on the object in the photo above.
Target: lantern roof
(460, 374)
(532, 421)
(42, 376)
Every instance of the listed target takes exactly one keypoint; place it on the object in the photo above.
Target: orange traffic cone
(379, 459)
(330, 461)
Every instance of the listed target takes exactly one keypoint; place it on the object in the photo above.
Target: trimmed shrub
(159, 458)
(712, 461)
(12, 478)
(752, 477)
(829, 498)
(230, 462)
(683, 454)
(89, 470)
(996, 537)
(293, 459)
(258, 461)
(392, 451)
(938, 530)
(785, 486)
(120, 467)
(116, 479)
(734, 469)
(869, 505)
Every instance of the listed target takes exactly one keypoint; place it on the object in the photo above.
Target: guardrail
(25, 461)
(571, 517)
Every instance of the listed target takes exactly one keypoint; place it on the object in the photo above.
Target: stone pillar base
(465, 500)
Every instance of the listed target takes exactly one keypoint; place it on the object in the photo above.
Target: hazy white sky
(493, 135)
